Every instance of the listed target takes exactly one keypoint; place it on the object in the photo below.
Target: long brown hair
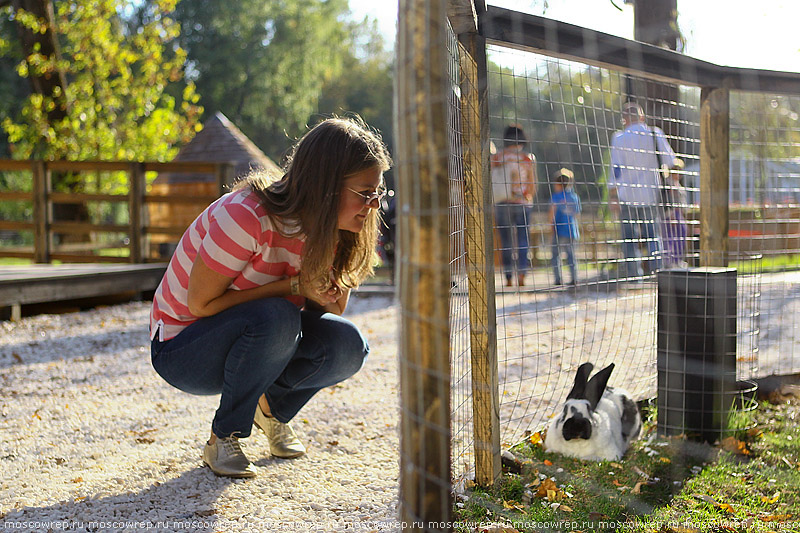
(305, 201)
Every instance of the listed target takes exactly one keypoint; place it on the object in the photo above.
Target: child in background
(564, 205)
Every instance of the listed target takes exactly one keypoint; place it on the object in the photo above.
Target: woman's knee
(278, 316)
(350, 351)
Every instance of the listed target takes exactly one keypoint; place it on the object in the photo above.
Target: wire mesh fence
(580, 230)
(571, 113)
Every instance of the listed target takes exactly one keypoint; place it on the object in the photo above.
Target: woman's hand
(331, 298)
(321, 296)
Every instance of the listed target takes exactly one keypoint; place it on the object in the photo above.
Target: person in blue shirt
(564, 206)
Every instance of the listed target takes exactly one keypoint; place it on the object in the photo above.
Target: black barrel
(696, 351)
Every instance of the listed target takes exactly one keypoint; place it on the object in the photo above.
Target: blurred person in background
(638, 153)
(513, 187)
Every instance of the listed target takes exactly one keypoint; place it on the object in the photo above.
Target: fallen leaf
(706, 498)
(36, 414)
(547, 462)
(598, 516)
(77, 480)
(734, 446)
(639, 471)
(565, 508)
(333, 442)
(616, 483)
(775, 518)
(536, 439)
(664, 459)
(16, 357)
(145, 440)
(618, 466)
(513, 505)
(775, 497)
(726, 507)
(637, 489)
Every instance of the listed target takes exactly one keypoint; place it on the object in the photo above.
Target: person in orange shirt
(513, 187)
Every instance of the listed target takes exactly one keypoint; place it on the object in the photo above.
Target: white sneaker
(283, 441)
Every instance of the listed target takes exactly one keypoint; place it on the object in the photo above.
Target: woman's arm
(209, 293)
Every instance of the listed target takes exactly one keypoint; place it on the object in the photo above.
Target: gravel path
(93, 440)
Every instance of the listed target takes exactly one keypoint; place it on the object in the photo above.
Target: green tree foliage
(263, 64)
(116, 102)
(569, 113)
(365, 85)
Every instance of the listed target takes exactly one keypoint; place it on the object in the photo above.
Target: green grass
(662, 485)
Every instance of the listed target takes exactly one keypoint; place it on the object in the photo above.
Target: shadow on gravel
(77, 346)
(185, 503)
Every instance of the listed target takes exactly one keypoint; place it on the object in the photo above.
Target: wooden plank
(12, 225)
(86, 258)
(714, 176)
(462, 16)
(200, 167)
(165, 230)
(203, 200)
(54, 283)
(16, 253)
(82, 198)
(422, 146)
(15, 164)
(78, 166)
(68, 226)
(42, 212)
(16, 196)
(480, 272)
(136, 187)
(559, 39)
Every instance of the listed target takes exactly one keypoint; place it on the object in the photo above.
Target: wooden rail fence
(43, 198)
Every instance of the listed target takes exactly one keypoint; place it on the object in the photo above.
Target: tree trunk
(656, 22)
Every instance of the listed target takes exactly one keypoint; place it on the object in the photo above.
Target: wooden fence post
(480, 262)
(225, 176)
(42, 212)
(422, 85)
(714, 175)
(136, 188)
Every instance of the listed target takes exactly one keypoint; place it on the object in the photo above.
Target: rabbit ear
(597, 385)
(579, 387)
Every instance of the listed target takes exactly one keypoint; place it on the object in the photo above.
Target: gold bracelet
(294, 284)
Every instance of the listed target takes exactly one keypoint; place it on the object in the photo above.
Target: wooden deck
(29, 284)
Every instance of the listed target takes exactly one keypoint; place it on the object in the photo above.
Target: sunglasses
(369, 199)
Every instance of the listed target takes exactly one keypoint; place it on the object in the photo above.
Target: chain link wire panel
(570, 113)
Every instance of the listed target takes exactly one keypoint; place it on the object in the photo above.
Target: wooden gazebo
(219, 141)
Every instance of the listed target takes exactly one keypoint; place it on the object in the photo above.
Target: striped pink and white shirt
(235, 238)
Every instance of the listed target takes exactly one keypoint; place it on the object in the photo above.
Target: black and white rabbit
(596, 422)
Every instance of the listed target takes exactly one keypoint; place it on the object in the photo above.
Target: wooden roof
(219, 140)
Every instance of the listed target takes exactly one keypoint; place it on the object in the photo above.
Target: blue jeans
(640, 223)
(561, 244)
(267, 347)
(511, 221)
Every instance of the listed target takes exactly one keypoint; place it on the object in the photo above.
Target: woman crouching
(250, 305)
